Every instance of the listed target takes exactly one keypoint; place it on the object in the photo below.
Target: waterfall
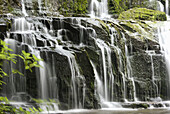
(161, 6)
(99, 9)
(23, 8)
(70, 45)
(155, 86)
(39, 4)
(129, 69)
(167, 6)
(107, 69)
(163, 34)
(100, 90)
(30, 33)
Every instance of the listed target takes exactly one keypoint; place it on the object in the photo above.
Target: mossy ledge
(143, 14)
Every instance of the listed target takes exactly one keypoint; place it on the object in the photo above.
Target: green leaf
(40, 109)
(31, 110)
(27, 67)
(35, 109)
(21, 109)
(15, 71)
(21, 57)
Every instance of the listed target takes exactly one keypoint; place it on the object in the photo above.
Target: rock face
(86, 62)
(71, 45)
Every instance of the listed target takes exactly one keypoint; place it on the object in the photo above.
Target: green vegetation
(143, 14)
(30, 62)
(6, 107)
(48, 102)
(73, 7)
(116, 6)
(5, 54)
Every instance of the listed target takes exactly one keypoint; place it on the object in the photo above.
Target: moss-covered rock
(139, 30)
(73, 7)
(143, 14)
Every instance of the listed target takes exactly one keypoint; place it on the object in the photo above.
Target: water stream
(167, 6)
(163, 33)
(23, 8)
(99, 9)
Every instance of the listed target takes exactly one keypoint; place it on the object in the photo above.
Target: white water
(161, 6)
(75, 74)
(99, 9)
(129, 69)
(151, 54)
(167, 6)
(99, 85)
(23, 8)
(22, 26)
(164, 40)
(105, 88)
(39, 4)
(114, 35)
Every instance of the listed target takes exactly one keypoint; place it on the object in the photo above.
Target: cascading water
(167, 6)
(23, 8)
(99, 9)
(129, 70)
(161, 6)
(60, 42)
(28, 33)
(155, 86)
(163, 34)
(107, 69)
(39, 4)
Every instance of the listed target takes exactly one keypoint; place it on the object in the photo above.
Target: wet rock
(87, 70)
(136, 105)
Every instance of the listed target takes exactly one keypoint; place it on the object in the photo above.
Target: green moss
(92, 85)
(143, 14)
(116, 6)
(73, 7)
(145, 106)
(143, 30)
(104, 26)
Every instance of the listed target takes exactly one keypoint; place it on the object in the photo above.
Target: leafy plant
(30, 61)
(6, 107)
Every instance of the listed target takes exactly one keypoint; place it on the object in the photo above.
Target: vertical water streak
(94, 8)
(167, 6)
(114, 35)
(161, 6)
(107, 71)
(129, 69)
(23, 8)
(164, 41)
(102, 48)
(43, 78)
(21, 25)
(151, 53)
(73, 75)
(99, 84)
(39, 5)
(77, 95)
(99, 9)
(10, 89)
